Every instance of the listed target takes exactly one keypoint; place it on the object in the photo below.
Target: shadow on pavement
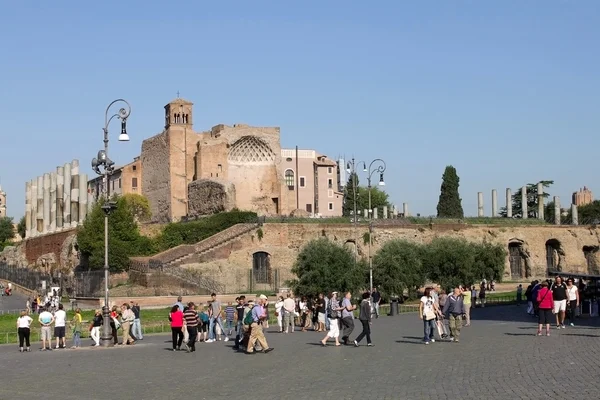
(513, 313)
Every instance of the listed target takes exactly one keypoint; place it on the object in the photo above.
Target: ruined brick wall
(230, 262)
(51, 246)
(156, 185)
(210, 196)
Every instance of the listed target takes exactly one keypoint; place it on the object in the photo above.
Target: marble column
(494, 203)
(52, 222)
(34, 203)
(480, 204)
(395, 211)
(574, 215)
(27, 209)
(375, 213)
(556, 210)
(40, 205)
(540, 199)
(67, 195)
(405, 210)
(366, 214)
(60, 196)
(385, 212)
(74, 193)
(508, 203)
(90, 197)
(524, 202)
(46, 194)
(83, 197)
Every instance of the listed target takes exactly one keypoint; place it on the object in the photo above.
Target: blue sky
(506, 91)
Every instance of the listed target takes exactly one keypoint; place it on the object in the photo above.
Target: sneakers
(572, 324)
(432, 340)
(355, 343)
(539, 333)
(563, 326)
(226, 339)
(426, 342)
(370, 345)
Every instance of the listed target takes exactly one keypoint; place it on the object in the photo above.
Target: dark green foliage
(324, 266)
(349, 191)
(532, 201)
(7, 230)
(379, 198)
(397, 267)
(450, 204)
(124, 239)
(22, 227)
(588, 214)
(178, 233)
(451, 262)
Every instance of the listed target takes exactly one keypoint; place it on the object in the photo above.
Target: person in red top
(176, 318)
(546, 302)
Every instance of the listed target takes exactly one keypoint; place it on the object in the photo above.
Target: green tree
(7, 230)
(532, 200)
(397, 267)
(489, 262)
(124, 239)
(139, 205)
(588, 214)
(323, 266)
(450, 203)
(22, 227)
(349, 192)
(379, 199)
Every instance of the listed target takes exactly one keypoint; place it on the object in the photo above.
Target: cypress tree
(450, 204)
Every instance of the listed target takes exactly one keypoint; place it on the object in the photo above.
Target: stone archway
(555, 255)
(351, 245)
(519, 259)
(591, 256)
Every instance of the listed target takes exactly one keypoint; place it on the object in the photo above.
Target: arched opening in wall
(554, 255)
(516, 260)
(591, 254)
(351, 245)
(261, 267)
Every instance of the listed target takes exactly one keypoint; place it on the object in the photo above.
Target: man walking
(190, 318)
(454, 310)
(559, 294)
(127, 317)
(376, 298)
(137, 324)
(256, 330)
(215, 319)
(46, 319)
(365, 320)
(347, 317)
(239, 329)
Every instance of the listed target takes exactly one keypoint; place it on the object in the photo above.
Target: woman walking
(428, 310)
(333, 313)
(365, 320)
(573, 301)
(76, 325)
(176, 318)
(279, 313)
(546, 303)
(95, 327)
(23, 328)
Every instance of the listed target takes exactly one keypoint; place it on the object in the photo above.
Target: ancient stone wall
(156, 184)
(210, 196)
(57, 249)
(230, 262)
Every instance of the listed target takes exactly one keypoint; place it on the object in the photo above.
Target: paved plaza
(499, 357)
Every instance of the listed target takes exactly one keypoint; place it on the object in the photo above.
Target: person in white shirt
(23, 328)
(60, 321)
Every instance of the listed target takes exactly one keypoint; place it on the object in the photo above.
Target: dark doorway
(554, 255)
(276, 204)
(261, 267)
(590, 253)
(517, 264)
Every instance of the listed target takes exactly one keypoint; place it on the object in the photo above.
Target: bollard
(393, 307)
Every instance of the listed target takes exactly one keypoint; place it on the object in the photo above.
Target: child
(229, 317)
(204, 319)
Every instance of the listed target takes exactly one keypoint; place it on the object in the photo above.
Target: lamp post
(351, 168)
(376, 166)
(107, 165)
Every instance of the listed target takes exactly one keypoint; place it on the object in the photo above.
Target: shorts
(560, 305)
(59, 332)
(46, 333)
(545, 316)
(203, 327)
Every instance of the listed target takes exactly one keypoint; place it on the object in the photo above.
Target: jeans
(348, 324)
(428, 329)
(239, 333)
(288, 319)
(455, 323)
(192, 332)
(376, 309)
(211, 328)
(228, 327)
(24, 336)
(136, 329)
(177, 337)
(366, 326)
(95, 334)
(76, 339)
(572, 310)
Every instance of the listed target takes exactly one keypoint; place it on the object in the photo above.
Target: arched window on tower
(289, 179)
(261, 267)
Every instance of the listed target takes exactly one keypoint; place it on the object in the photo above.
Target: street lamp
(376, 166)
(351, 168)
(102, 161)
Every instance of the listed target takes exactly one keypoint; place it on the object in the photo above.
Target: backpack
(330, 312)
(248, 319)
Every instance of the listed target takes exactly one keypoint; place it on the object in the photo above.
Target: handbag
(429, 315)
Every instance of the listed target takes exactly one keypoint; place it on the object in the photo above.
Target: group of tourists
(440, 311)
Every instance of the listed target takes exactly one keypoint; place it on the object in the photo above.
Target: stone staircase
(177, 255)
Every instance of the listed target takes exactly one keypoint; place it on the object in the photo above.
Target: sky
(505, 91)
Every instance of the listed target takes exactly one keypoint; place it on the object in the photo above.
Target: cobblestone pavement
(499, 357)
